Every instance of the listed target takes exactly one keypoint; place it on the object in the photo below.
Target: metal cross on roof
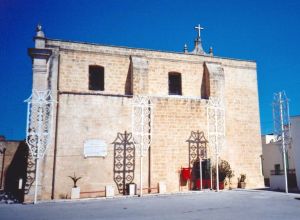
(199, 28)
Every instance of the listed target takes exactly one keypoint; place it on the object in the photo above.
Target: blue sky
(265, 31)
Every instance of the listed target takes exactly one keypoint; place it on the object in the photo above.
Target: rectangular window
(175, 84)
(96, 78)
(277, 169)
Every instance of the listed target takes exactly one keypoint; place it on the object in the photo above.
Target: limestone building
(99, 125)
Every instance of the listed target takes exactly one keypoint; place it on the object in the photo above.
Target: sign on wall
(95, 148)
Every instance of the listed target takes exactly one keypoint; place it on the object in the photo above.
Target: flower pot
(242, 185)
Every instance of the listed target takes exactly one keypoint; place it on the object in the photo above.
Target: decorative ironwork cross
(124, 160)
(199, 28)
(197, 146)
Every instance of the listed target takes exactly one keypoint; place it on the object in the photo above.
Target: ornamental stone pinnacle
(211, 52)
(39, 31)
(185, 48)
(39, 38)
(198, 43)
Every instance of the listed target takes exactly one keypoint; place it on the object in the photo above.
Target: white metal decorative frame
(216, 129)
(282, 127)
(39, 123)
(142, 121)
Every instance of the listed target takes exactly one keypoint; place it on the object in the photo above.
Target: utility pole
(281, 120)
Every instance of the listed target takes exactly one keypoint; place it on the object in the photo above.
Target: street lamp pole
(281, 120)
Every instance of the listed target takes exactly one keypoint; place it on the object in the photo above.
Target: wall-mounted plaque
(95, 148)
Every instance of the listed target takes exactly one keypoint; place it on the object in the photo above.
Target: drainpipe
(56, 132)
(149, 170)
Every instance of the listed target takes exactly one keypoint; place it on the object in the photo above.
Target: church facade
(96, 114)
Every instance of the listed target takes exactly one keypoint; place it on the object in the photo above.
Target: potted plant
(75, 193)
(241, 181)
(225, 171)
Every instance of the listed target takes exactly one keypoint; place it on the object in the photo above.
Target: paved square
(235, 204)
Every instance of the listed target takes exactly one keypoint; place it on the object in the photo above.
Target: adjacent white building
(272, 159)
(295, 131)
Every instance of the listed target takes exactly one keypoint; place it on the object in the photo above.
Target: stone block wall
(243, 143)
(84, 117)
(74, 71)
(174, 120)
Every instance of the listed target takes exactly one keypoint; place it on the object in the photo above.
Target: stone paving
(234, 204)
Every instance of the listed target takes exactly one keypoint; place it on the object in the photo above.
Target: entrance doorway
(195, 175)
(199, 164)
